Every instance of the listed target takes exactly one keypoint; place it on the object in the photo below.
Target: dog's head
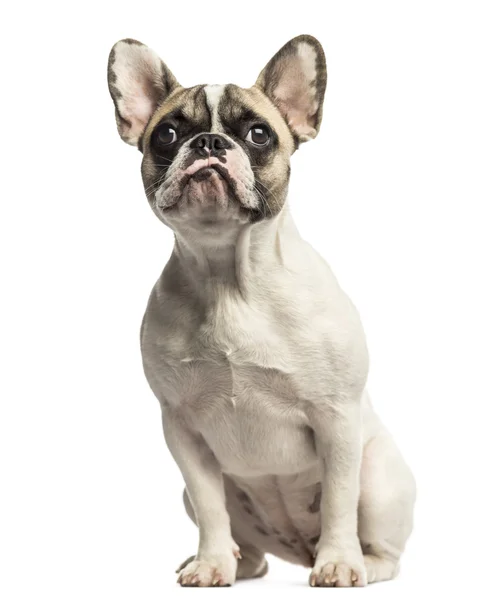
(215, 153)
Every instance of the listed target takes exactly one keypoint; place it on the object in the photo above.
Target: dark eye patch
(237, 119)
(187, 119)
(237, 124)
(185, 130)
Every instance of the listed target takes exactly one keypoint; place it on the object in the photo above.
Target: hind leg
(252, 563)
(387, 496)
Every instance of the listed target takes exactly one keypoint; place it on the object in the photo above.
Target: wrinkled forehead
(216, 107)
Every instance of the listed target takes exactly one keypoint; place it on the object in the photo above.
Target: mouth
(208, 172)
(205, 173)
(210, 185)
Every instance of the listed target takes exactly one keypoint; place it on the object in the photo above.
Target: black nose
(210, 143)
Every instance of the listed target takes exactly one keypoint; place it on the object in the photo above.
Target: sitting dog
(256, 355)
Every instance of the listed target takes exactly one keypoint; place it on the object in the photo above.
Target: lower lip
(201, 175)
(204, 173)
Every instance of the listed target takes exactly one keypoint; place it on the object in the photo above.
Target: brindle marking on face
(239, 109)
(182, 105)
(261, 530)
(286, 101)
(236, 111)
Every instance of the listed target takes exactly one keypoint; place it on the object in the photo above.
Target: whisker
(269, 191)
(264, 204)
(153, 186)
(169, 161)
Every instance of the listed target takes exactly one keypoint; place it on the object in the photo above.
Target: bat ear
(138, 83)
(295, 81)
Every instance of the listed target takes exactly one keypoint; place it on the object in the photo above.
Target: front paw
(338, 569)
(210, 572)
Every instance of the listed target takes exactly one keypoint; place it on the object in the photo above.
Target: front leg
(337, 427)
(215, 563)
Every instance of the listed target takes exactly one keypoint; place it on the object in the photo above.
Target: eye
(164, 135)
(259, 135)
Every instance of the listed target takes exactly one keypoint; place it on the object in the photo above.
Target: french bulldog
(257, 357)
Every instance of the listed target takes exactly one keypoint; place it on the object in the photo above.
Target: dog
(257, 357)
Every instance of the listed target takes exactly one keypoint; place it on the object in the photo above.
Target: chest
(233, 378)
(240, 376)
(250, 417)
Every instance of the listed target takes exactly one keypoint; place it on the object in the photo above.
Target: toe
(337, 575)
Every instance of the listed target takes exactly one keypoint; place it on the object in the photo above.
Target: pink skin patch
(242, 178)
(201, 163)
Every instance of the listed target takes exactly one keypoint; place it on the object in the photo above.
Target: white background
(396, 194)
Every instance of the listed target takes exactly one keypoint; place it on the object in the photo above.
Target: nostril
(202, 142)
(218, 143)
(211, 142)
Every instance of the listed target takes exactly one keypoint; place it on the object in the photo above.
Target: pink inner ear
(138, 106)
(138, 74)
(296, 91)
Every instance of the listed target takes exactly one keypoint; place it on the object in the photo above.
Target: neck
(245, 259)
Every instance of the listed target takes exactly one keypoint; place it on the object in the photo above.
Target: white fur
(214, 93)
(259, 361)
